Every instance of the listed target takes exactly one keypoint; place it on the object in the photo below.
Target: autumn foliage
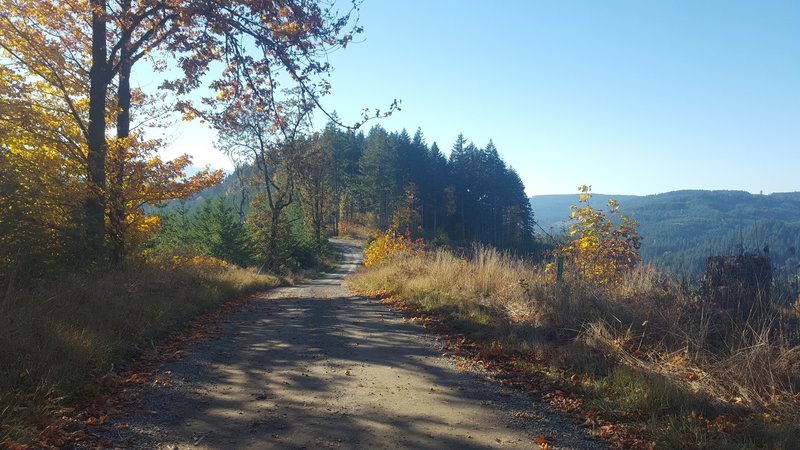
(80, 173)
(390, 244)
(70, 111)
(601, 247)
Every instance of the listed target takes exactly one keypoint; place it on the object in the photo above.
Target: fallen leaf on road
(96, 420)
(542, 441)
(136, 378)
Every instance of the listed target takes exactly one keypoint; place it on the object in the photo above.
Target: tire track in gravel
(313, 366)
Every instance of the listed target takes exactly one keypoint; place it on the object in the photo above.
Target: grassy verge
(359, 233)
(648, 358)
(59, 339)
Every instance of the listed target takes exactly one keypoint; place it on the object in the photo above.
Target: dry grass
(58, 339)
(652, 349)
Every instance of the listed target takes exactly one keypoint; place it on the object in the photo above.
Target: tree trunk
(463, 222)
(116, 190)
(318, 218)
(243, 193)
(273, 239)
(95, 204)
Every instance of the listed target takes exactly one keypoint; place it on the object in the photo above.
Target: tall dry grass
(650, 334)
(58, 339)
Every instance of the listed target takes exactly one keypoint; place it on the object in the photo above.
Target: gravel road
(313, 366)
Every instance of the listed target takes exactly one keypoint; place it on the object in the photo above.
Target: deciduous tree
(260, 44)
(601, 248)
(315, 184)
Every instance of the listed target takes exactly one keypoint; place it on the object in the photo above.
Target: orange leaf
(123, 426)
(96, 420)
(542, 441)
(136, 378)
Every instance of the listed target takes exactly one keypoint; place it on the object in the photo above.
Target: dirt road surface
(314, 366)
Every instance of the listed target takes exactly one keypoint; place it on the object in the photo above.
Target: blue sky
(632, 97)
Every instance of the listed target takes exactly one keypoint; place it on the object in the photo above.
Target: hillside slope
(681, 228)
(552, 210)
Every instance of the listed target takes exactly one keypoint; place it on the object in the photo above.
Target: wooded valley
(681, 229)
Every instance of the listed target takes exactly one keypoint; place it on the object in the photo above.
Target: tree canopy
(67, 67)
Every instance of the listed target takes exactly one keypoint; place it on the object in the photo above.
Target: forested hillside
(680, 229)
(381, 180)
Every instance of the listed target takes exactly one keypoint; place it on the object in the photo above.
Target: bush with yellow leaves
(601, 247)
(390, 244)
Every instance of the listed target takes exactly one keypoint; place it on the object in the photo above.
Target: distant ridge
(681, 228)
(551, 210)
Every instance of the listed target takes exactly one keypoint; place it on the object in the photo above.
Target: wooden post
(559, 268)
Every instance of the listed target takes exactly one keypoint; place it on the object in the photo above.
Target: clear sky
(632, 97)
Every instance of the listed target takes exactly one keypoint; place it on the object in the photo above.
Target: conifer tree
(218, 233)
(378, 167)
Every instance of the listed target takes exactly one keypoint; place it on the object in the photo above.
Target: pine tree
(439, 178)
(218, 232)
(378, 166)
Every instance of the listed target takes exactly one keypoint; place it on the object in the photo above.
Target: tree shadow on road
(310, 366)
